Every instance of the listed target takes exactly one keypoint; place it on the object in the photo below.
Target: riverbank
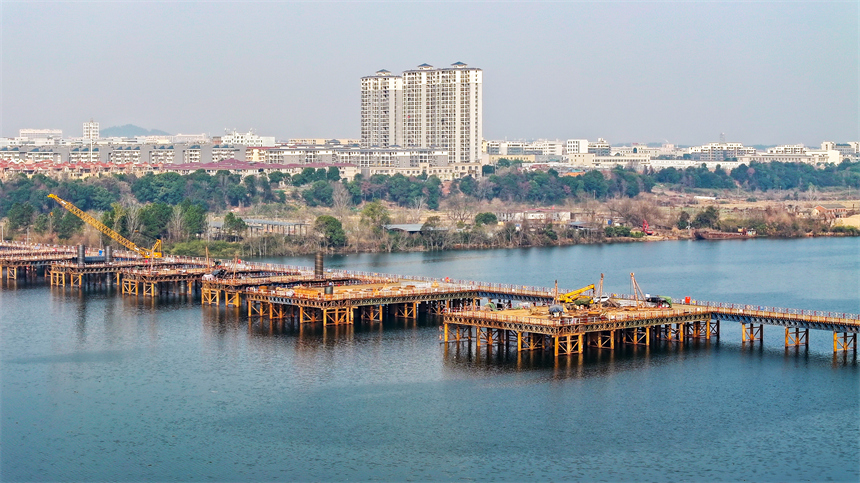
(272, 246)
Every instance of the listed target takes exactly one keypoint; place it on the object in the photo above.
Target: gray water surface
(99, 387)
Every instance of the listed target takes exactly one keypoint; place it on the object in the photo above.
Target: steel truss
(752, 332)
(130, 287)
(848, 341)
(795, 336)
(406, 310)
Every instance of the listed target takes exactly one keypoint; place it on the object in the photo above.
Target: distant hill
(129, 131)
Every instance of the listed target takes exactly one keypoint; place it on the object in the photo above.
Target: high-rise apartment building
(425, 108)
(381, 110)
(91, 130)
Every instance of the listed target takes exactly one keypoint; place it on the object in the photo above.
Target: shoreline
(244, 248)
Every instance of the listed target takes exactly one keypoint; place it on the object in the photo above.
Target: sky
(761, 72)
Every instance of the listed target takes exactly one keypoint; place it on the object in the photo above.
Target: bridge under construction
(484, 314)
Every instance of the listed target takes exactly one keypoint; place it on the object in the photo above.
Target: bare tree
(636, 211)
(418, 205)
(176, 225)
(341, 200)
(132, 221)
(458, 209)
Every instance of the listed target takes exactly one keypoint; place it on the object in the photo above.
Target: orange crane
(154, 252)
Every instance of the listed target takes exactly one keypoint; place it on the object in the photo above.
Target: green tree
(20, 215)
(683, 220)
(233, 225)
(595, 184)
(331, 231)
(707, 218)
(319, 193)
(68, 225)
(374, 215)
(42, 223)
(276, 177)
(251, 185)
(193, 217)
(433, 235)
(155, 217)
(333, 173)
(486, 218)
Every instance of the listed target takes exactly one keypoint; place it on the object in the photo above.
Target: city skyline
(764, 73)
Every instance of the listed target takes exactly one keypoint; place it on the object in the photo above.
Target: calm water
(102, 387)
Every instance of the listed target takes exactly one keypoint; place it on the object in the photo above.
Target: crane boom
(154, 252)
(571, 296)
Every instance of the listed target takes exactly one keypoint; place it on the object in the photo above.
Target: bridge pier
(848, 341)
(636, 336)
(208, 295)
(795, 337)
(372, 313)
(568, 344)
(752, 332)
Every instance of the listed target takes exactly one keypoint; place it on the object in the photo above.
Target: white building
(34, 134)
(247, 139)
(720, 151)
(425, 108)
(576, 146)
(547, 147)
(813, 157)
(381, 110)
(846, 150)
(91, 130)
(600, 147)
(788, 149)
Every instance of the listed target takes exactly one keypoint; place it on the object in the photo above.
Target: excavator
(646, 228)
(154, 252)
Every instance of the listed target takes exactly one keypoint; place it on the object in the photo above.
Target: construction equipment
(642, 299)
(154, 252)
(575, 297)
(646, 228)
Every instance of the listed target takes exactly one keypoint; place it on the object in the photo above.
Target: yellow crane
(154, 252)
(572, 296)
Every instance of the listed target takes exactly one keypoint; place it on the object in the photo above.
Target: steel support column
(848, 342)
(752, 332)
(795, 336)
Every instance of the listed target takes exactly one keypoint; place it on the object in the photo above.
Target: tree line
(174, 206)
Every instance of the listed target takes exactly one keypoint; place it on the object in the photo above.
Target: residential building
(247, 139)
(381, 110)
(125, 155)
(163, 154)
(788, 149)
(192, 154)
(425, 108)
(91, 130)
(576, 146)
(33, 134)
(850, 150)
(546, 147)
(221, 152)
(813, 157)
(600, 148)
(720, 152)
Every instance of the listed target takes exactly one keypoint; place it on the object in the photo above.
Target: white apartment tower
(425, 108)
(381, 110)
(91, 130)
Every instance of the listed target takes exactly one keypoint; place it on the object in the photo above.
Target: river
(98, 387)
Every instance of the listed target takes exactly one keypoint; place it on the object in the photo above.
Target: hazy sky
(762, 72)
